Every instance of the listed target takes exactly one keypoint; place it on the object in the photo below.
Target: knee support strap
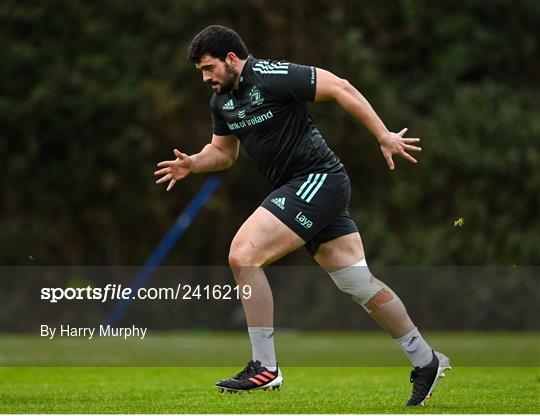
(357, 280)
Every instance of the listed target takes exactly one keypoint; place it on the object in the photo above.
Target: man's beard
(228, 85)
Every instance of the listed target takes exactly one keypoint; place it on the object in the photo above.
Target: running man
(262, 104)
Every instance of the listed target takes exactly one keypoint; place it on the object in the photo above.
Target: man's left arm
(330, 87)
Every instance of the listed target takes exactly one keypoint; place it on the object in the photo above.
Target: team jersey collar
(244, 70)
(242, 81)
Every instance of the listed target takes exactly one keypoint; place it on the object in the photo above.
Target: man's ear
(231, 59)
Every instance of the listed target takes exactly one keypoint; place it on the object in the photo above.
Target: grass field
(306, 390)
(375, 389)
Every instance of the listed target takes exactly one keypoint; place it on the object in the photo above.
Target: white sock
(418, 350)
(262, 346)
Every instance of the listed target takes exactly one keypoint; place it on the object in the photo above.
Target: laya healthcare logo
(302, 219)
(280, 202)
(229, 105)
(256, 97)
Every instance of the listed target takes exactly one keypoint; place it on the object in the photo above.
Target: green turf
(306, 390)
(295, 348)
(324, 373)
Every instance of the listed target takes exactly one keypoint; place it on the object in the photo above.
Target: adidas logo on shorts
(280, 202)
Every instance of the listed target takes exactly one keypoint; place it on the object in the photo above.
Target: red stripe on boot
(269, 374)
(257, 382)
(263, 378)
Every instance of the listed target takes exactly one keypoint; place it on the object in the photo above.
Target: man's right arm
(218, 155)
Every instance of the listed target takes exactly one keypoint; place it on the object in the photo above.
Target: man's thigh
(262, 239)
(340, 252)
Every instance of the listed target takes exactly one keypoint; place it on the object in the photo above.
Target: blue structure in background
(167, 243)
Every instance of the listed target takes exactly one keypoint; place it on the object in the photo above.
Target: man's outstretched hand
(396, 144)
(174, 170)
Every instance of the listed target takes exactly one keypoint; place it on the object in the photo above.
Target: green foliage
(93, 94)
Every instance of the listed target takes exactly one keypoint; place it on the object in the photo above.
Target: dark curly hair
(217, 41)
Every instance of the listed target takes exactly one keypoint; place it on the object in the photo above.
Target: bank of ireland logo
(256, 97)
(242, 114)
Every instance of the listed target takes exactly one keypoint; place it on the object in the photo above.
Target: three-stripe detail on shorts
(311, 186)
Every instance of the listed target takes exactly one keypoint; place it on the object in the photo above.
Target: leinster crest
(256, 97)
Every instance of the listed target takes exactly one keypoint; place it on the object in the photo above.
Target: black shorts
(314, 206)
